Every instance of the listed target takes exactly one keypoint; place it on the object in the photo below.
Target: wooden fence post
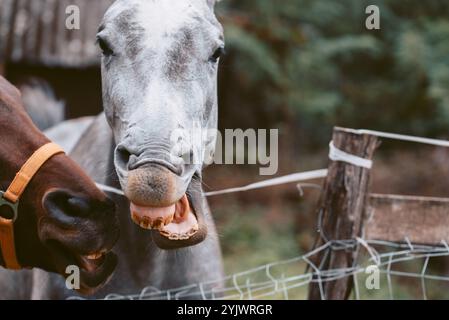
(342, 207)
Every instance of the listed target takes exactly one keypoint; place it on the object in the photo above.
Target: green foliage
(249, 238)
(313, 63)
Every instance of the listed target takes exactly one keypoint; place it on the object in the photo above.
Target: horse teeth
(192, 232)
(174, 236)
(135, 218)
(158, 224)
(149, 224)
(178, 236)
(145, 225)
(94, 256)
(169, 220)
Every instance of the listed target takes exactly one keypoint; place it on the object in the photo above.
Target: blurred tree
(307, 65)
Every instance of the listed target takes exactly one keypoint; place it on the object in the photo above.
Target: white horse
(159, 74)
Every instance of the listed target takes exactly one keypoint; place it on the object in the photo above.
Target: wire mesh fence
(404, 270)
(376, 269)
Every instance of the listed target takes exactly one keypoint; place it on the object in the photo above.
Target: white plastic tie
(336, 154)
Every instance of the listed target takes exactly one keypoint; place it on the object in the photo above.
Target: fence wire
(396, 263)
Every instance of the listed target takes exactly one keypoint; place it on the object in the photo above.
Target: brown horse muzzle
(80, 231)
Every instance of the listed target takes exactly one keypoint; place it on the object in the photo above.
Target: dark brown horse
(63, 219)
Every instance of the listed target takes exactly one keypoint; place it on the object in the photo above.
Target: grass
(251, 237)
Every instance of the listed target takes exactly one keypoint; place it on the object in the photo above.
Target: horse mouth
(175, 222)
(95, 268)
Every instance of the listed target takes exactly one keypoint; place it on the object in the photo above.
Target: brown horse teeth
(177, 236)
(94, 256)
(135, 218)
(169, 219)
(147, 223)
(144, 225)
(174, 236)
(158, 224)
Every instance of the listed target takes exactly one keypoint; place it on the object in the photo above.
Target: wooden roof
(34, 31)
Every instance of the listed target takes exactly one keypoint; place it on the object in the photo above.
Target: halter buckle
(13, 206)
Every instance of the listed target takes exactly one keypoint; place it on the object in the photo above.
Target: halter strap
(12, 196)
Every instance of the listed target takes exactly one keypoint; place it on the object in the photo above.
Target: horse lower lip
(93, 279)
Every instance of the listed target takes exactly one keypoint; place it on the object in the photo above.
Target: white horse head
(159, 73)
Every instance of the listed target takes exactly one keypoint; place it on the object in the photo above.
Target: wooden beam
(342, 208)
(422, 220)
(43, 37)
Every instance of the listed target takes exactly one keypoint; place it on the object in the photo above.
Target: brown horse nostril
(77, 207)
(61, 204)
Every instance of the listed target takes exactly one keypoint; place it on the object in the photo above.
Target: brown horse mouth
(95, 268)
(174, 222)
(95, 273)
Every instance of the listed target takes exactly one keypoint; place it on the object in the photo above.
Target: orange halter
(12, 196)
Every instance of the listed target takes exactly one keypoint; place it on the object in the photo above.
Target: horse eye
(104, 46)
(217, 54)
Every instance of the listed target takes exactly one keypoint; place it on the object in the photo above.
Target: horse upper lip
(155, 162)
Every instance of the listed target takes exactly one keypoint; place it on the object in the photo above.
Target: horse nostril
(123, 157)
(61, 204)
(77, 207)
(132, 162)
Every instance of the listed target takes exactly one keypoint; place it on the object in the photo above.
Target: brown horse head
(63, 219)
